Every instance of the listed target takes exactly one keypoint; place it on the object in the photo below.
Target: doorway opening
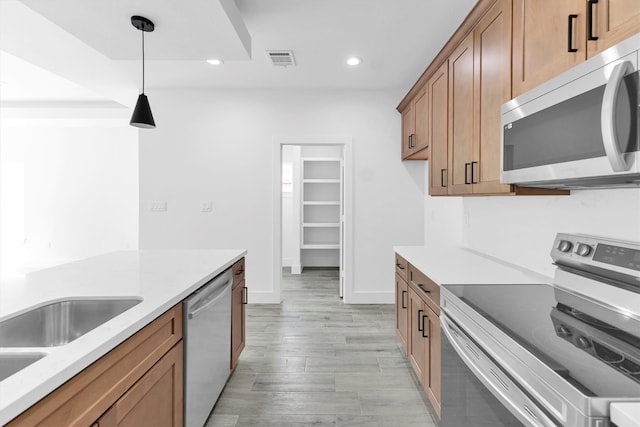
(312, 206)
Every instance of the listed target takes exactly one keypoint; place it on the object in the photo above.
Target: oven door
(577, 130)
(478, 392)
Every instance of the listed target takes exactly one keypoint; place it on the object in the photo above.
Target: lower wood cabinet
(418, 353)
(401, 311)
(239, 299)
(139, 379)
(153, 400)
(418, 322)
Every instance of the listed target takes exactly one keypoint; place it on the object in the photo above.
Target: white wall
(217, 145)
(80, 186)
(522, 229)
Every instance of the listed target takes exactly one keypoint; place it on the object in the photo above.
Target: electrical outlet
(206, 206)
(158, 206)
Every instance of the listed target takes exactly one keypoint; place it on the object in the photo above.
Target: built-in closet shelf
(321, 203)
(321, 196)
(321, 181)
(321, 246)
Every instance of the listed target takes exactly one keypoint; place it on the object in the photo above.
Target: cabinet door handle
(421, 328)
(466, 173)
(442, 172)
(473, 173)
(239, 272)
(424, 329)
(246, 295)
(590, 4)
(404, 305)
(399, 266)
(570, 22)
(426, 291)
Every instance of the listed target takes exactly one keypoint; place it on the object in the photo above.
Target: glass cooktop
(566, 332)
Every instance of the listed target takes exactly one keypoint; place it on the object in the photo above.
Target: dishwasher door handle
(199, 310)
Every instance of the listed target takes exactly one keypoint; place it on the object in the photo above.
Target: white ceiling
(395, 38)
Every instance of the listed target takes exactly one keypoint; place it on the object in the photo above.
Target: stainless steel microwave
(579, 129)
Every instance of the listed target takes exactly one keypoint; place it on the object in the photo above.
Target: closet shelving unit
(321, 204)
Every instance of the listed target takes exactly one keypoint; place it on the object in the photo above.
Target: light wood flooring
(314, 361)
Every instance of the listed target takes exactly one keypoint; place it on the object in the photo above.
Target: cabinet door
(611, 22)
(434, 360)
(492, 86)
(155, 400)
(438, 129)
(417, 335)
(420, 141)
(407, 130)
(401, 311)
(238, 301)
(541, 40)
(461, 108)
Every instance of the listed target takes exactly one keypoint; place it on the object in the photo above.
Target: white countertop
(161, 278)
(626, 414)
(462, 266)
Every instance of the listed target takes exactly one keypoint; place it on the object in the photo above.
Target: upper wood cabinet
(438, 128)
(491, 89)
(479, 83)
(414, 128)
(551, 36)
(548, 38)
(461, 108)
(611, 22)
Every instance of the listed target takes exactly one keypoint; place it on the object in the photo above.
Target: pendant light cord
(142, 61)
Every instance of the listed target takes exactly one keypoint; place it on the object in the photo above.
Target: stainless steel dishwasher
(207, 347)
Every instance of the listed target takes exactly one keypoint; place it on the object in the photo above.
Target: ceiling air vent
(281, 58)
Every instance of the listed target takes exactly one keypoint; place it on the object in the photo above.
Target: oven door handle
(489, 375)
(607, 117)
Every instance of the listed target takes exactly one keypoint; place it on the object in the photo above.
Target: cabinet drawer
(401, 267)
(428, 290)
(238, 272)
(85, 397)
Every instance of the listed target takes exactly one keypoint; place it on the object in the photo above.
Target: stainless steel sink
(10, 363)
(60, 322)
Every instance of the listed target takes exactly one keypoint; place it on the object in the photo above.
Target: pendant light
(142, 116)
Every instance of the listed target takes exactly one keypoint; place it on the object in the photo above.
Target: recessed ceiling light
(215, 61)
(354, 60)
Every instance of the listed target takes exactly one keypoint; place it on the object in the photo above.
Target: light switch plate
(158, 206)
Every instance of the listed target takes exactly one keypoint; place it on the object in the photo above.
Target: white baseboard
(372, 298)
(356, 298)
(263, 298)
(286, 262)
(296, 269)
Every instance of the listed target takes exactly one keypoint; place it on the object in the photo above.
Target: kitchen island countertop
(161, 278)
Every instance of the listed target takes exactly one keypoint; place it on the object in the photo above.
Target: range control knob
(583, 343)
(565, 246)
(564, 332)
(583, 250)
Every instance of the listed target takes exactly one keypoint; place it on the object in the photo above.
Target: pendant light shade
(142, 116)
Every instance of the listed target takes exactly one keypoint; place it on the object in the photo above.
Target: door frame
(347, 246)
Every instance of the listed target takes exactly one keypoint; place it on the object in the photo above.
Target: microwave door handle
(607, 117)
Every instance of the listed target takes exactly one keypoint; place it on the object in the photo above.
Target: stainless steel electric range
(545, 355)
